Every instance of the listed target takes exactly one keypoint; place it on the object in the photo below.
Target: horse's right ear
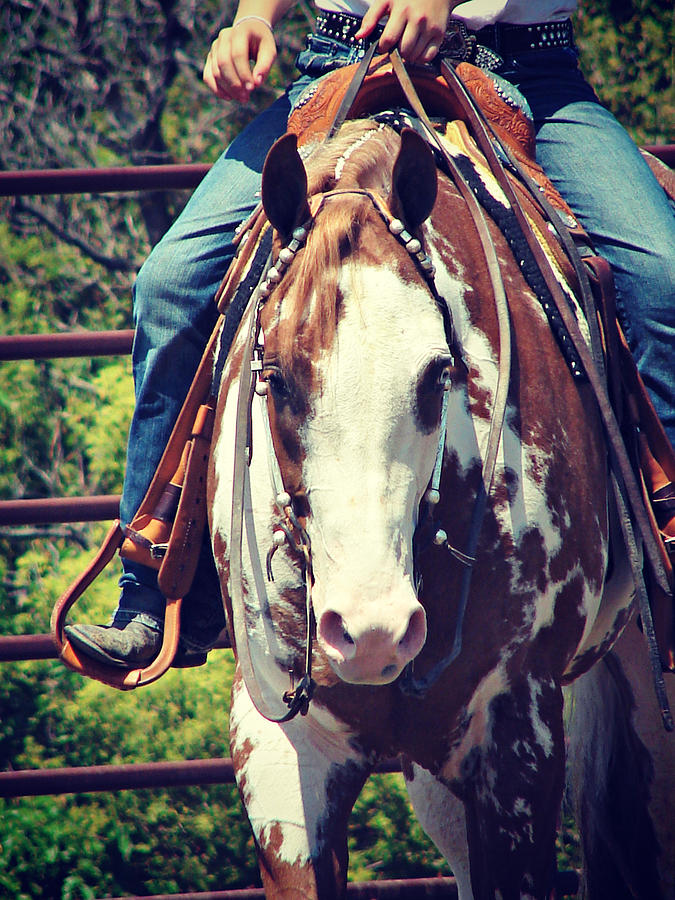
(414, 180)
(284, 186)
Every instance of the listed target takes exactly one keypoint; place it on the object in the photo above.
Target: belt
(485, 47)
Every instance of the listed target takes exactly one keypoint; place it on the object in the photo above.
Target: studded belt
(486, 47)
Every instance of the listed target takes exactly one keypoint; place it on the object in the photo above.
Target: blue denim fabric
(601, 174)
(583, 149)
(174, 315)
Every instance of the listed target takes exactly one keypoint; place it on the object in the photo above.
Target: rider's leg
(174, 315)
(602, 175)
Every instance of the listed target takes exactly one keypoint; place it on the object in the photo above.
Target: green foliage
(385, 838)
(627, 55)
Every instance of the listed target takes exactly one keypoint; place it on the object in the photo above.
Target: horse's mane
(359, 156)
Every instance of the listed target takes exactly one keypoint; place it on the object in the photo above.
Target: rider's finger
(392, 34)
(420, 44)
(267, 53)
(371, 18)
(211, 78)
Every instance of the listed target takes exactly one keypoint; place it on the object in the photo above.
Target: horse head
(355, 363)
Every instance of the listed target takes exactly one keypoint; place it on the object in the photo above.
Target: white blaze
(368, 463)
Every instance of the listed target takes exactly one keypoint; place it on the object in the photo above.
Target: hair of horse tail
(609, 777)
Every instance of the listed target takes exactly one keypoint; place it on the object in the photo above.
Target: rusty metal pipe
(404, 888)
(81, 779)
(50, 510)
(96, 181)
(52, 346)
(134, 776)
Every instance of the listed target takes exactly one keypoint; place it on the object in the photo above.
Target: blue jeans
(583, 149)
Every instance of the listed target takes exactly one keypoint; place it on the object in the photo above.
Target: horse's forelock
(362, 155)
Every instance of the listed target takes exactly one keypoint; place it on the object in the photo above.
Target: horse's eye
(273, 376)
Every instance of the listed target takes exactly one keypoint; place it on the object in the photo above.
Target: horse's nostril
(415, 635)
(334, 634)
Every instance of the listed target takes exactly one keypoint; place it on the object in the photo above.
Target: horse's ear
(414, 180)
(284, 186)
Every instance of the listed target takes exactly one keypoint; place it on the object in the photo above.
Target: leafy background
(86, 83)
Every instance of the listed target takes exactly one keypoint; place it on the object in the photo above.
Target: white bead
(440, 538)
(432, 496)
(278, 538)
(264, 289)
(283, 499)
(413, 246)
(261, 388)
(274, 275)
(286, 256)
(396, 226)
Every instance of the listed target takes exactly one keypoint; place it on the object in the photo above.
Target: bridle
(289, 530)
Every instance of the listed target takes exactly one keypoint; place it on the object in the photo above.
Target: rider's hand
(228, 71)
(416, 27)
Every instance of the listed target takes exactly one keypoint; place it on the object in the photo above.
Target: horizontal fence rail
(101, 181)
(97, 508)
(405, 889)
(62, 346)
(566, 885)
(133, 777)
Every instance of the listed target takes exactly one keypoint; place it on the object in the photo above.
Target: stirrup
(78, 661)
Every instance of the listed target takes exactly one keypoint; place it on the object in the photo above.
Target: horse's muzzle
(369, 648)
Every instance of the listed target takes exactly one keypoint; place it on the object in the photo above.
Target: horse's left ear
(414, 180)
(284, 186)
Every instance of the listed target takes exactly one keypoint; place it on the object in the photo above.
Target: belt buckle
(458, 44)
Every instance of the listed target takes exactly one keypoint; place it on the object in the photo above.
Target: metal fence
(99, 508)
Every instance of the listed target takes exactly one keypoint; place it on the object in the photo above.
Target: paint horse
(362, 387)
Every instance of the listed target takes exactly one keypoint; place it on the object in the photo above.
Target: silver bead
(261, 388)
(286, 256)
(440, 538)
(413, 246)
(432, 496)
(278, 537)
(396, 226)
(283, 499)
(300, 233)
